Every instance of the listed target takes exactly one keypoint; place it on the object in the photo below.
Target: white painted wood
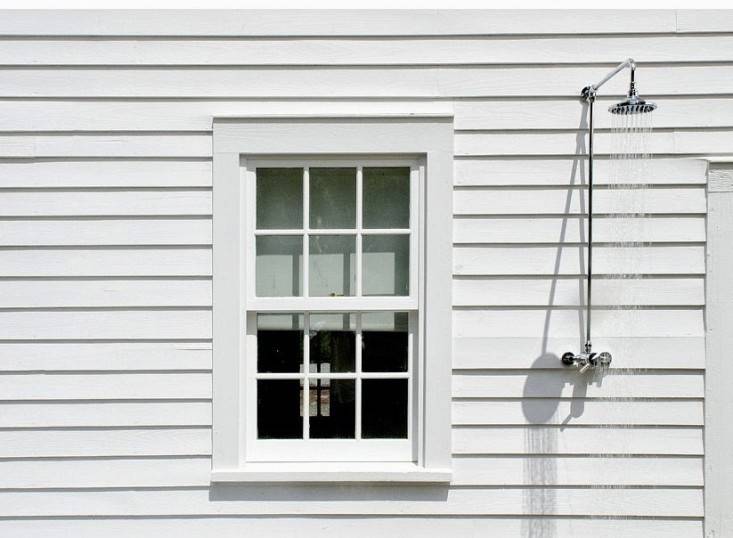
(516, 171)
(539, 440)
(105, 145)
(65, 173)
(672, 113)
(106, 262)
(105, 231)
(708, 20)
(429, 136)
(503, 353)
(100, 413)
(570, 260)
(502, 322)
(101, 473)
(567, 383)
(184, 114)
(491, 113)
(361, 82)
(582, 501)
(578, 471)
(323, 51)
(105, 442)
(579, 412)
(571, 292)
(573, 229)
(98, 356)
(80, 203)
(371, 473)
(105, 324)
(470, 471)
(340, 22)
(104, 293)
(108, 385)
(570, 143)
(718, 433)
(572, 201)
(354, 526)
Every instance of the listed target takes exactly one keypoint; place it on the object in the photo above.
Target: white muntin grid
(307, 448)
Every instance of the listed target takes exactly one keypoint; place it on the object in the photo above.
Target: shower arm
(589, 94)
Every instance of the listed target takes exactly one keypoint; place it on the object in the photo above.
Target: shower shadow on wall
(545, 382)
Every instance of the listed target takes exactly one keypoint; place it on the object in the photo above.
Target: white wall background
(105, 266)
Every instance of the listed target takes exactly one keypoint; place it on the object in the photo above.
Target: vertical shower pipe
(632, 105)
(591, 100)
(589, 93)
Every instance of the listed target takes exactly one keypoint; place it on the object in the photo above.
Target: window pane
(384, 408)
(333, 198)
(332, 342)
(279, 265)
(332, 408)
(279, 405)
(279, 342)
(386, 197)
(332, 265)
(386, 264)
(384, 342)
(279, 198)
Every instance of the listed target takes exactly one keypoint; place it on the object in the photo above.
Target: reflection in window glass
(332, 267)
(384, 408)
(279, 404)
(279, 198)
(332, 408)
(332, 343)
(384, 342)
(386, 264)
(332, 197)
(386, 197)
(279, 265)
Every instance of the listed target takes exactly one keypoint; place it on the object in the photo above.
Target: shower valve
(586, 360)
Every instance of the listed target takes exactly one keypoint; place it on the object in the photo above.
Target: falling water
(627, 219)
(626, 224)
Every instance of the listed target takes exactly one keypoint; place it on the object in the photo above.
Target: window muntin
(340, 276)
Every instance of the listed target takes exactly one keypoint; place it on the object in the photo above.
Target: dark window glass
(384, 342)
(279, 351)
(332, 408)
(384, 409)
(279, 409)
(279, 342)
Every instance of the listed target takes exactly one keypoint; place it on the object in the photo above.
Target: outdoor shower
(632, 105)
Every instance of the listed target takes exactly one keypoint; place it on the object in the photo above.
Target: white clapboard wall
(105, 265)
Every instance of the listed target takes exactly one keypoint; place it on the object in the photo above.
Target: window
(331, 307)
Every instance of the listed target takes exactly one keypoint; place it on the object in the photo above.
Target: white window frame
(335, 450)
(427, 141)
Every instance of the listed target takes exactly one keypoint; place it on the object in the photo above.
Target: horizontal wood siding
(105, 265)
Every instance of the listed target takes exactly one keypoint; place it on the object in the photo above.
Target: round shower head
(632, 105)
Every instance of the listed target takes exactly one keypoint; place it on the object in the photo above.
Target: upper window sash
(358, 302)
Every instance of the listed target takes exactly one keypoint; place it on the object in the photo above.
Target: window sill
(372, 472)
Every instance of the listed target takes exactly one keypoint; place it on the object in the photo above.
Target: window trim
(429, 138)
(335, 450)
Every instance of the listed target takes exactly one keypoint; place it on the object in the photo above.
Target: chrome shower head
(633, 104)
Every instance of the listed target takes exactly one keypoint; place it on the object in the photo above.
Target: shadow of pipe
(542, 471)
